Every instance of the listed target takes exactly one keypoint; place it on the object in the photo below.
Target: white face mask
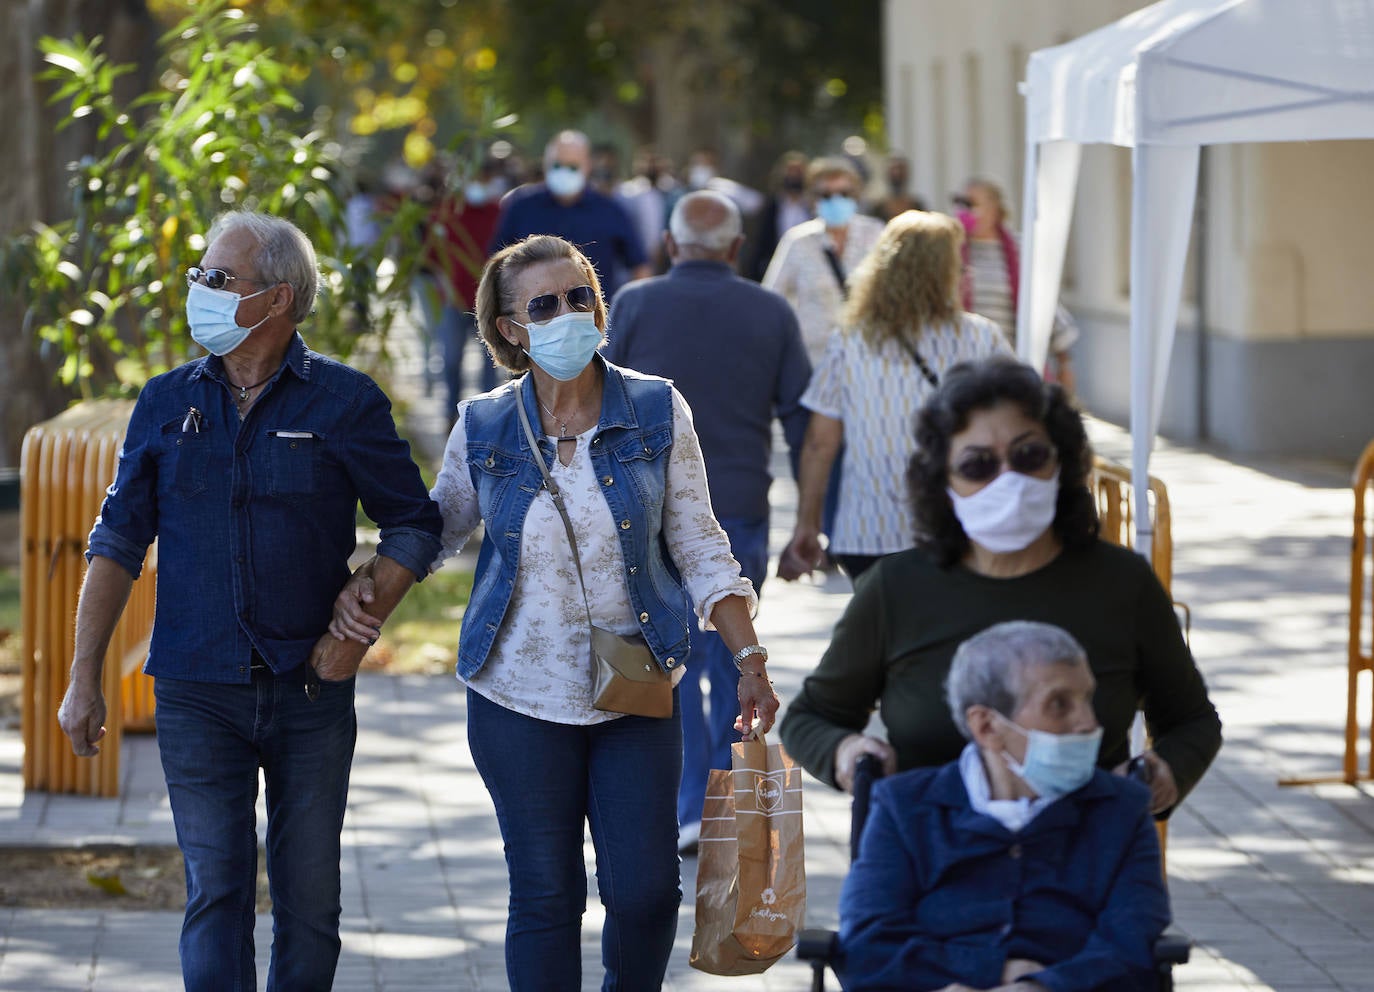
(565, 182)
(1009, 512)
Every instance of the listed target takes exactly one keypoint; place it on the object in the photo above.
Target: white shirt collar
(1013, 814)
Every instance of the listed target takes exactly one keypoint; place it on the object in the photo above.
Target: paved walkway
(1272, 883)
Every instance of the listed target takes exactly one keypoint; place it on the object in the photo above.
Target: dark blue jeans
(706, 737)
(547, 779)
(213, 739)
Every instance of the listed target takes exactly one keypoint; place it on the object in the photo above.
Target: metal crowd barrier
(67, 463)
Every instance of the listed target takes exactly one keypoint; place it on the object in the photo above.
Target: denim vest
(630, 451)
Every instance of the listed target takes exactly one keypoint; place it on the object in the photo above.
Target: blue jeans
(458, 334)
(547, 779)
(213, 739)
(706, 738)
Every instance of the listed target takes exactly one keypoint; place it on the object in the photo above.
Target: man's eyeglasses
(215, 278)
(545, 307)
(831, 194)
(982, 464)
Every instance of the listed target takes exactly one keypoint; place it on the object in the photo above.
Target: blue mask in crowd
(837, 211)
(563, 346)
(1055, 764)
(211, 314)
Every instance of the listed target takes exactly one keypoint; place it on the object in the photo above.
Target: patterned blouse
(876, 392)
(540, 662)
(801, 272)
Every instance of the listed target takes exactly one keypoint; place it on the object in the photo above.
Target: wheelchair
(822, 947)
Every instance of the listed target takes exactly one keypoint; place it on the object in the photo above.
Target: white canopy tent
(1163, 82)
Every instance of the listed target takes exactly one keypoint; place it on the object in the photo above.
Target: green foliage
(221, 129)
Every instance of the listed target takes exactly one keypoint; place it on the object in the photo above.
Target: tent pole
(1204, 430)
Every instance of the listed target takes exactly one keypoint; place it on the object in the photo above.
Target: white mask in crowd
(700, 176)
(212, 316)
(1009, 512)
(564, 181)
(477, 194)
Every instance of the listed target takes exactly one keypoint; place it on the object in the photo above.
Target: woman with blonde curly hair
(902, 327)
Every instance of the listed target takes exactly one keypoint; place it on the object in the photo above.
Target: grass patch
(421, 635)
(9, 599)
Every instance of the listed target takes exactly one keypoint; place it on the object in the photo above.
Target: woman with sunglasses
(1006, 530)
(624, 459)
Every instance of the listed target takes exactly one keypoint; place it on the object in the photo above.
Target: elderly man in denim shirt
(247, 465)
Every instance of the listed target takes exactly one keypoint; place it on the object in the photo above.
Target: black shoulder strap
(926, 370)
(838, 269)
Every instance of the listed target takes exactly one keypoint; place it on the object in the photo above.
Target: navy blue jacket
(735, 352)
(256, 519)
(599, 226)
(941, 894)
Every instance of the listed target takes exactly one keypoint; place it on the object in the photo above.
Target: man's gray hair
(989, 668)
(569, 137)
(284, 254)
(717, 237)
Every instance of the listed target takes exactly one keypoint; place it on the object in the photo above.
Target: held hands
(336, 660)
(351, 621)
(1157, 774)
(82, 718)
(1014, 969)
(847, 754)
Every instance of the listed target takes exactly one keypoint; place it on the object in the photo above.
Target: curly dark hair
(972, 386)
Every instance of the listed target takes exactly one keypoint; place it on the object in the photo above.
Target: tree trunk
(34, 179)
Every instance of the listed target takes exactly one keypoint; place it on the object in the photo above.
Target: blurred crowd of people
(581, 190)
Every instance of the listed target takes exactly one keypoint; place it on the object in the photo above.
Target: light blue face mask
(212, 316)
(1055, 764)
(563, 346)
(837, 211)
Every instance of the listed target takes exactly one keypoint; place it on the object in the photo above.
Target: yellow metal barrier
(67, 463)
(1111, 484)
(1358, 656)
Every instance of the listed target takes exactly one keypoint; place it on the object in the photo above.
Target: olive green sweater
(893, 645)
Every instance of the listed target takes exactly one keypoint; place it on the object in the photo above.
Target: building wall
(1281, 244)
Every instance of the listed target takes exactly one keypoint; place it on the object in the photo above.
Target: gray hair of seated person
(994, 668)
(284, 254)
(685, 222)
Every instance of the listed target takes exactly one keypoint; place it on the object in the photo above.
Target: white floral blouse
(540, 662)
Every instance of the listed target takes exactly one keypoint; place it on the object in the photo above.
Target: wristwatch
(743, 653)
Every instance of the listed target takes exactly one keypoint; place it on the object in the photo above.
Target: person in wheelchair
(1020, 866)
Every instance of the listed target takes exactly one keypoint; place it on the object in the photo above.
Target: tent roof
(1189, 72)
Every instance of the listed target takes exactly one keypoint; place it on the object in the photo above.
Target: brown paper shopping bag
(751, 867)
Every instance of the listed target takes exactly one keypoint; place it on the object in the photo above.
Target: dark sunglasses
(833, 194)
(216, 278)
(981, 464)
(545, 307)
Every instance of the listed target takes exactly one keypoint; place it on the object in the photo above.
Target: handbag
(751, 865)
(626, 677)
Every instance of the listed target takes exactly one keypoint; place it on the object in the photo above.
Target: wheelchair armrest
(1172, 948)
(817, 945)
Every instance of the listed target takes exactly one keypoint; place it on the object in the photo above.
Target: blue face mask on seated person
(212, 316)
(563, 346)
(1055, 764)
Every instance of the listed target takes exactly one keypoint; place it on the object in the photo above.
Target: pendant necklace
(244, 390)
(562, 424)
